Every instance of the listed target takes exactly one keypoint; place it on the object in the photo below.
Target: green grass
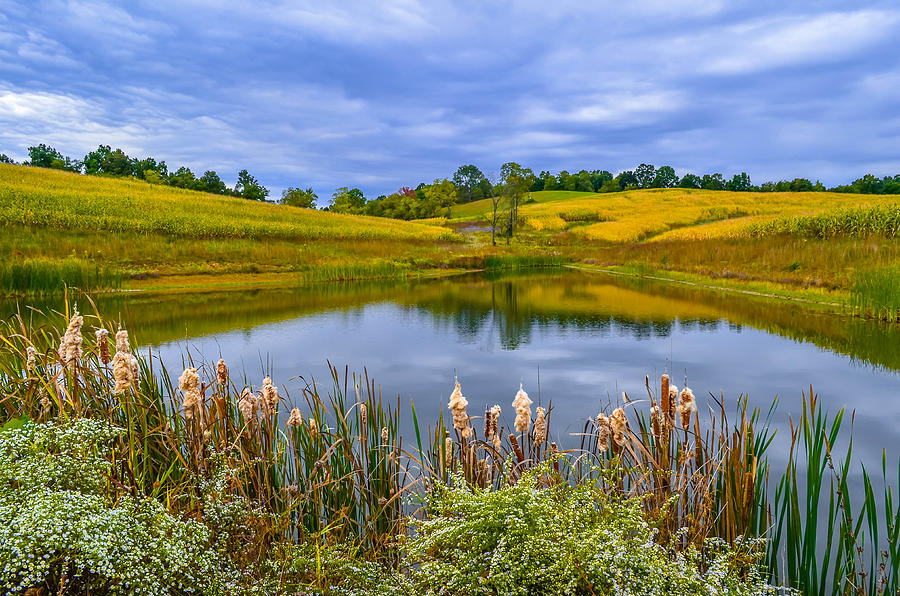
(358, 272)
(39, 277)
(876, 293)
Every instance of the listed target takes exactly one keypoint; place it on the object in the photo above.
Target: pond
(572, 338)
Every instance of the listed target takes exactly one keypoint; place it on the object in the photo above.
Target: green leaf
(14, 423)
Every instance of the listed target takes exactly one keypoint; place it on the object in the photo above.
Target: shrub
(524, 539)
(59, 529)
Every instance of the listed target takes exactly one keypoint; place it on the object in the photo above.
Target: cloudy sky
(394, 92)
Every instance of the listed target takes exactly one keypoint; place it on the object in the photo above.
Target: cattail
(30, 360)
(268, 397)
(189, 383)
(363, 416)
(618, 423)
(45, 401)
(665, 403)
(123, 371)
(656, 421)
(313, 428)
(458, 405)
(448, 448)
(602, 432)
(103, 345)
(540, 427)
(222, 372)
(522, 404)
(686, 407)
(495, 432)
(673, 399)
(487, 424)
(70, 343)
(295, 419)
(247, 405)
(135, 368)
(384, 435)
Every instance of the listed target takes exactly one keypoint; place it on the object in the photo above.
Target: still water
(575, 339)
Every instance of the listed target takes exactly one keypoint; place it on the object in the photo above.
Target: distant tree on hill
(665, 178)
(645, 174)
(610, 186)
(627, 180)
(249, 188)
(441, 193)
(347, 200)
(599, 178)
(297, 197)
(44, 156)
(93, 159)
(690, 181)
(712, 182)
(739, 182)
(4, 158)
(469, 183)
(211, 182)
(117, 163)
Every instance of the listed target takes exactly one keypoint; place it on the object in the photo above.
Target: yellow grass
(633, 216)
(60, 200)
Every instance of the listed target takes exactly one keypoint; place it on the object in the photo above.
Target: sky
(380, 95)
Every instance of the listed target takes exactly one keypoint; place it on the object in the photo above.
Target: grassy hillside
(476, 210)
(101, 232)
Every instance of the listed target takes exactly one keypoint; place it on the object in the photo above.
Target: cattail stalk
(295, 420)
(522, 404)
(103, 346)
(70, 343)
(123, 369)
(687, 405)
(540, 427)
(458, 405)
(222, 372)
(603, 431)
(189, 384)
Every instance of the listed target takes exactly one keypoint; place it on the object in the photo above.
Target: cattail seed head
(123, 370)
(363, 417)
(268, 397)
(313, 428)
(222, 372)
(618, 423)
(522, 404)
(70, 343)
(295, 419)
(494, 434)
(458, 405)
(30, 360)
(603, 431)
(248, 406)
(189, 384)
(385, 436)
(103, 345)
(687, 405)
(540, 427)
(448, 448)
(665, 404)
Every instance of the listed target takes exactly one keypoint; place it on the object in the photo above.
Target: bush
(563, 540)
(61, 531)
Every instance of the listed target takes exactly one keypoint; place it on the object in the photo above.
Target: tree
(249, 188)
(4, 158)
(645, 174)
(183, 177)
(142, 165)
(627, 180)
(93, 159)
(297, 197)
(609, 186)
(665, 177)
(583, 181)
(347, 200)
(211, 182)
(441, 193)
(740, 182)
(45, 156)
(599, 178)
(153, 177)
(690, 181)
(467, 181)
(712, 182)
(117, 163)
(516, 181)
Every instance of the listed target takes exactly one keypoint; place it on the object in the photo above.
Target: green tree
(297, 197)
(468, 180)
(712, 182)
(45, 156)
(4, 158)
(599, 178)
(347, 200)
(149, 163)
(627, 180)
(690, 181)
(740, 182)
(441, 193)
(609, 186)
(153, 177)
(117, 163)
(645, 174)
(665, 178)
(212, 183)
(249, 188)
(93, 159)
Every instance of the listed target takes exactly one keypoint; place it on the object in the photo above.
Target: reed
(876, 293)
(39, 277)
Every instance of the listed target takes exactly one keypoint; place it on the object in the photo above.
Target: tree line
(104, 161)
(467, 184)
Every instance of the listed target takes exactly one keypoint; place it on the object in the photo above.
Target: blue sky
(391, 93)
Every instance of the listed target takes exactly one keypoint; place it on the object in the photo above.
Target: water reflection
(586, 337)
